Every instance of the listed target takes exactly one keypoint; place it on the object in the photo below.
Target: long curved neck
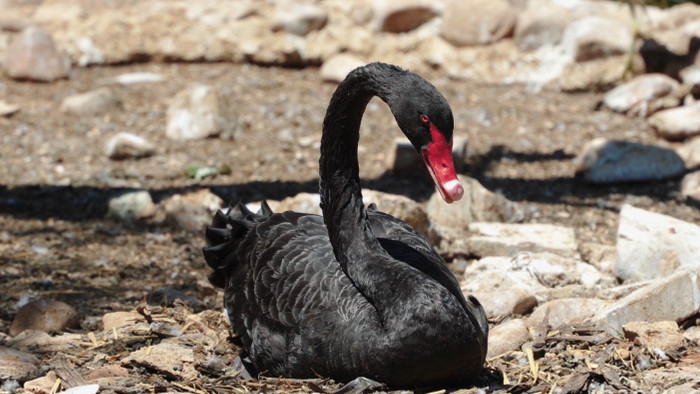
(341, 197)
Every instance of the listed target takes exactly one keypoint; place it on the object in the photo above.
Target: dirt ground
(55, 181)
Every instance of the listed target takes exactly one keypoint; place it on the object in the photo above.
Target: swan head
(425, 117)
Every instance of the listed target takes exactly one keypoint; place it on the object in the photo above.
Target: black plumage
(354, 292)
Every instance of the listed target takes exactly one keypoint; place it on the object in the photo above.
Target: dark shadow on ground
(570, 190)
(87, 203)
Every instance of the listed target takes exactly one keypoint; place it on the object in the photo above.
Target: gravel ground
(56, 242)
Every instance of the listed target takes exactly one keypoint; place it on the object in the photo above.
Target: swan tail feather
(227, 230)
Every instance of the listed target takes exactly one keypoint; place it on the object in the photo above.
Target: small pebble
(127, 145)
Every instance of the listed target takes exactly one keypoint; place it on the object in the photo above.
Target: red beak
(438, 159)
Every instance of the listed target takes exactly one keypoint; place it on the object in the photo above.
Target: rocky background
(126, 124)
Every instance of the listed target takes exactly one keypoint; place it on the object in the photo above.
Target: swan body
(355, 292)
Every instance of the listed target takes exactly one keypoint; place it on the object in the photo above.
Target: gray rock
(94, 102)
(506, 302)
(44, 315)
(494, 274)
(643, 95)
(299, 18)
(690, 187)
(33, 55)
(677, 123)
(436, 52)
(128, 146)
(607, 161)
(651, 245)
(337, 67)
(534, 273)
(400, 207)
(131, 206)
(17, 365)
(474, 22)
(507, 337)
(402, 16)
(501, 239)
(673, 298)
(449, 221)
(194, 114)
(594, 37)
(566, 312)
(541, 23)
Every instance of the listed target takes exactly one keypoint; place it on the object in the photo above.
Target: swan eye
(425, 118)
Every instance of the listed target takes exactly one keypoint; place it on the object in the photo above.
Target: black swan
(354, 293)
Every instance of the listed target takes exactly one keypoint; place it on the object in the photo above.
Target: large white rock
(651, 245)
(513, 286)
(609, 161)
(673, 298)
(502, 239)
(475, 22)
(677, 123)
(594, 37)
(533, 272)
(641, 95)
(195, 113)
(33, 55)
